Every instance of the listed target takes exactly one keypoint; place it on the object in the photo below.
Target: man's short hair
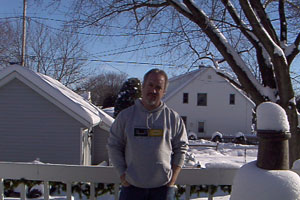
(157, 71)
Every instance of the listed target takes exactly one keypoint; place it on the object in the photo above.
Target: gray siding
(32, 127)
(99, 151)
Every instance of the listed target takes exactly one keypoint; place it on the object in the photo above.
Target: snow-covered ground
(220, 154)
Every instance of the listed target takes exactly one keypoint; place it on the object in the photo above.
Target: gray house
(42, 119)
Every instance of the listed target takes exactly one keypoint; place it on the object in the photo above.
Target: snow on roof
(178, 82)
(87, 113)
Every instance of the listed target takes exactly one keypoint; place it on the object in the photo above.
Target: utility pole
(24, 33)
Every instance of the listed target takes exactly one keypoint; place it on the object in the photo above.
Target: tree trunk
(294, 147)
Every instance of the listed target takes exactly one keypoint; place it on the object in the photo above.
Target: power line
(132, 34)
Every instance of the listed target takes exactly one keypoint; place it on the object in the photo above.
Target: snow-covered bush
(217, 137)
(130, 91)
(192, 135)
(239, 138)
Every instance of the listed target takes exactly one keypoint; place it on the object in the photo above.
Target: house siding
(31, 127)
(218, 114)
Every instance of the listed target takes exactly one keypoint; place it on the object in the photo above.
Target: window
(202, 99)
(184, 118)
(185, 97)
(201, 127)
(232, 99)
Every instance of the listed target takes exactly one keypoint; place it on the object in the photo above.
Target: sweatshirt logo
(148, 132)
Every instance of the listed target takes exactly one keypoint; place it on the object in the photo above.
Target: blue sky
(104, 49)
(108, 48)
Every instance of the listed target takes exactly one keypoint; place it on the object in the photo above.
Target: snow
(217, 133)
(57, 91)
(296, 164)
(204, 152)
(110, 111)
(269, 115)
(239, 134)
(288, 50)
(252, 182)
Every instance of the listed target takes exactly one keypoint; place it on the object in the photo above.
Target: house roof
(69, 101)
(178, 82)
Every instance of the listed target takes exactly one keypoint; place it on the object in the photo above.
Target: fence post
(1, 189)
(187, 192)
(46, 190)
(273, 150)
(117, 188)
(69, 191)
(92, 191)
(210, 196)
(23, 191)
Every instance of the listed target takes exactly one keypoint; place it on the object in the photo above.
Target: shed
(42, 119)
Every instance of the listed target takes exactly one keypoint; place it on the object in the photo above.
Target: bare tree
(9, 44)
(258, 40)
(104, 88)
(59, 54)
(56, 54)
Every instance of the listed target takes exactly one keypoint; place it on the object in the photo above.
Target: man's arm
(116, 145)
(176, 171)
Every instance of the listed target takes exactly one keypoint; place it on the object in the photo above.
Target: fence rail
(99, 174)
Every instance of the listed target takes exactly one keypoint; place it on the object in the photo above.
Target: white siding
(218, 115)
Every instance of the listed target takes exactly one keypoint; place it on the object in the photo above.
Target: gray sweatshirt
(145, 144)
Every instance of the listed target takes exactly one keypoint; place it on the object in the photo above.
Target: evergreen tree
(130, 91)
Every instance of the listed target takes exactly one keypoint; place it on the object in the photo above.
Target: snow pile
(271, 116)
(223, 165)
(252, 183)
(204, 154)
(296, 164)
(239, 134)
(216, 134)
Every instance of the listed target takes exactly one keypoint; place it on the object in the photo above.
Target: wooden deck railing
(97, 174)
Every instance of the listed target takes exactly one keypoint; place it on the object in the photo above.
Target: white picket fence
(97, 174)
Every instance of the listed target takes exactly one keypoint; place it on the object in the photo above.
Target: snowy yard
(226, 153)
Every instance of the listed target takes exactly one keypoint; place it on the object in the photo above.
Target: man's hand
(123, 180)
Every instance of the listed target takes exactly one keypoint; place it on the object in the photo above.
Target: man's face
(153, 90)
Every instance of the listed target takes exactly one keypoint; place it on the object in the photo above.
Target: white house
(208, 102)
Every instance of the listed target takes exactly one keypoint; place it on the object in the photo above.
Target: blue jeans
(159, 193)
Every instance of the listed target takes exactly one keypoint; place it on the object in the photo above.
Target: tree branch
(283, 23)
(264, 20)
(242, 72)
(295, 50)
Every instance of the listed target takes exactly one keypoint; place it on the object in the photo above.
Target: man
(147, 144)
